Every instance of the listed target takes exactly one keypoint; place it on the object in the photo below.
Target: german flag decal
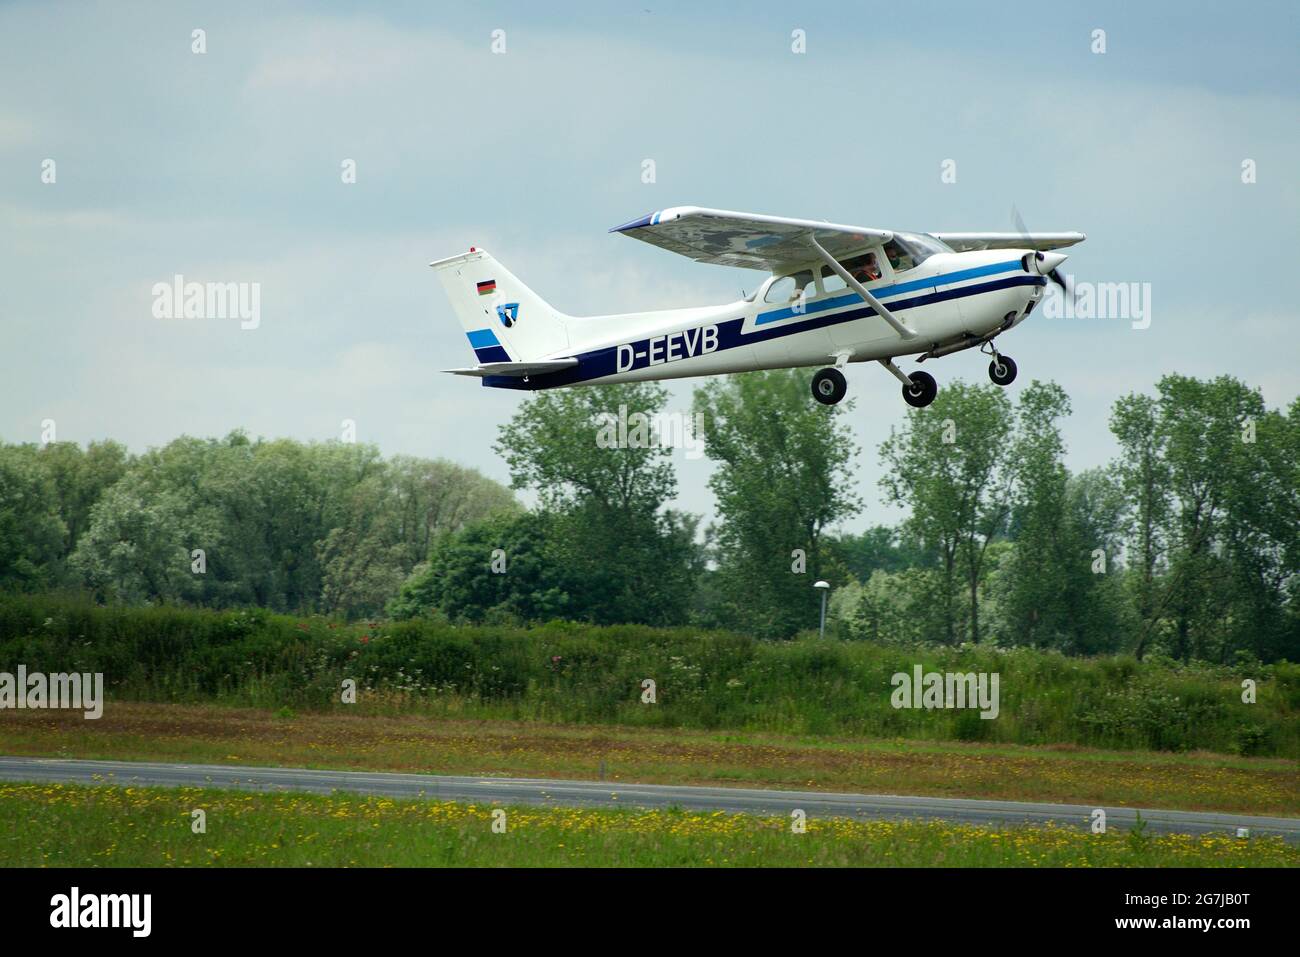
(487, 286)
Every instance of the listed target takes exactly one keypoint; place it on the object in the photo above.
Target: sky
(227, 166)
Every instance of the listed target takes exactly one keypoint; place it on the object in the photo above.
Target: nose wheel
(829, 386)
(1002, 370)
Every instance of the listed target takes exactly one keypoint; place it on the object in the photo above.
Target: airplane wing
(516, 368)
(745, 239)
(964, 242)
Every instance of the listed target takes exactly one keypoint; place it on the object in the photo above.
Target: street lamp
(825, 588)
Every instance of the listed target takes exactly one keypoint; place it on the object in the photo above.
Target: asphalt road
(609, 794)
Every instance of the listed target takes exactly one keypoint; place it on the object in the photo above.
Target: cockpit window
(900, 257)
(927, 244)
(864, 268)
(908, 250)
(790, 288)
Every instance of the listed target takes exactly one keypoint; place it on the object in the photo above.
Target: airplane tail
(504, 319)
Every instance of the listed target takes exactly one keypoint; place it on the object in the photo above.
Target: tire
(923, 390)
(1008, 370)
(829, 386)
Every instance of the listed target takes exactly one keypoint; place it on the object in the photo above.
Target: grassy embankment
(153, 827)
(579, 674)
(561, 700)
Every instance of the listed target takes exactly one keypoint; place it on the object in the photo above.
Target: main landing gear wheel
(922, 390)
(1002, 370)
(828, 386)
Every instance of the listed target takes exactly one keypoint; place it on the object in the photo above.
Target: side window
(900, 257)
(789, 288)
(865, 269)
(831, 281)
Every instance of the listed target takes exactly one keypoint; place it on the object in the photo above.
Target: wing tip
(646, 220)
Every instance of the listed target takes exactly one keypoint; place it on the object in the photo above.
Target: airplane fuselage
(950, 298)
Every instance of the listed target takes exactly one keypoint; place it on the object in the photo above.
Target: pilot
(898, 258)
(867, 270)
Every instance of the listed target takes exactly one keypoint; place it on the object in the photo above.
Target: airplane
(836, 294)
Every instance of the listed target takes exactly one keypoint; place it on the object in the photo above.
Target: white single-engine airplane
(837, 294)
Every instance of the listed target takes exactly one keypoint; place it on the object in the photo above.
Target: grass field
(117, 827)
(1064, 774)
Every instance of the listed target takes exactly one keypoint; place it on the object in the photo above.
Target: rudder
(504, 319)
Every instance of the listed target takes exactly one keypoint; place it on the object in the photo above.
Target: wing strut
(861, 290)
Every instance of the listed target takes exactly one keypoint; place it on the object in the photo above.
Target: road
(609, 794)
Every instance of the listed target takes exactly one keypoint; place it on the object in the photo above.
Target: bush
(571, 672)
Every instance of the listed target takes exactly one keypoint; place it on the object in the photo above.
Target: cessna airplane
(837, 294)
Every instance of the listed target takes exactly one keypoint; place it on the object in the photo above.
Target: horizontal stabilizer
(516, 368)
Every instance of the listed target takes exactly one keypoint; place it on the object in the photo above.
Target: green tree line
(1186, 545)
(290, 526)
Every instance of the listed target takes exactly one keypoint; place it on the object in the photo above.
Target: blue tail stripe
(481, 338)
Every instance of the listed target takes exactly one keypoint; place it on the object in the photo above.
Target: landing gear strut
(1002, 370)
(829, 386)
(919, 388)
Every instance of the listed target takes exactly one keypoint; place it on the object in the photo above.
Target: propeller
(1060, 280)
(1054, 273)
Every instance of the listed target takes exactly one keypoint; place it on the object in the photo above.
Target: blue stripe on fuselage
(600, 363)
(883, 292)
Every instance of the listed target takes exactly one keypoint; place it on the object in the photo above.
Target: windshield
(908, 250)
(925, 245)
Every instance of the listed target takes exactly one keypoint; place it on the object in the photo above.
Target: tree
(1144, 477)
(431, 497)
(951, 465)
(362, 560)
(606, 504)
(879, 548)
(783, 478)
(32, 534)
(1063, 530)
(496, 569)
(887, 608)
(391, 519)
(1201, 422)
(143, 530)
(284, 525)
(79, 478)
(1222, 507)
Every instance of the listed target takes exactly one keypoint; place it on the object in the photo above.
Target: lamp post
(825, 587)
